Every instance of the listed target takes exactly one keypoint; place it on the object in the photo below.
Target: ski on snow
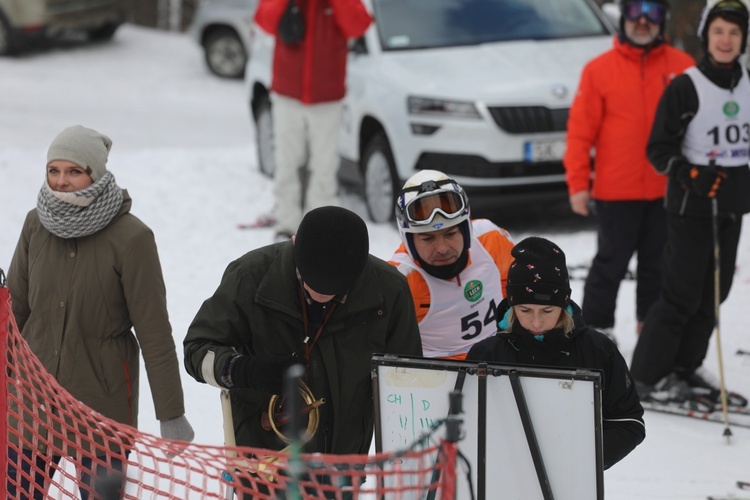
(738, 416)
(265, 220)
(743, 485)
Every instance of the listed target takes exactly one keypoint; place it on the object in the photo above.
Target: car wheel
(7, 46)
(103, 33)
(225, 54)
(379, 172)
(264, 136)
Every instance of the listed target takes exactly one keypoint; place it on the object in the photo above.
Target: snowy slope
(184, 148)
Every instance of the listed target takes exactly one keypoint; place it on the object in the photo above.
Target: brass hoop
(313, 418)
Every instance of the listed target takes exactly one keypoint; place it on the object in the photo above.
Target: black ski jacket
(676, 109)
(585, 347)
(257, 310)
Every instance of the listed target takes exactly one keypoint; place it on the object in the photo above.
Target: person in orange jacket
(612, 114)
(307, 87)
(456, 267)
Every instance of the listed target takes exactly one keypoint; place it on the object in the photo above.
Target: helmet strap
(448, 271)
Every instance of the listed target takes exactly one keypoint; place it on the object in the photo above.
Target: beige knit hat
(83, 146)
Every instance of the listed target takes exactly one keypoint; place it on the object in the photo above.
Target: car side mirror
(613, 13)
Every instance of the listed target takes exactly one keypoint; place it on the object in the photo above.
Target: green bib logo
(731, 108)
(473, 290)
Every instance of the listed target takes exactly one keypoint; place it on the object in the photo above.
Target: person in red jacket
(307, 86)
(612, 114)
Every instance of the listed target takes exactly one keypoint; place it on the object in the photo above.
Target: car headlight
(441, 107)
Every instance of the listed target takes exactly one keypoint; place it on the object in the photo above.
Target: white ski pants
(304, 133)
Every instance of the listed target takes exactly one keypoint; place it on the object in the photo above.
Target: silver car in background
(224, 29)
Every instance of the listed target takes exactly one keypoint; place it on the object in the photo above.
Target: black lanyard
(309, 345)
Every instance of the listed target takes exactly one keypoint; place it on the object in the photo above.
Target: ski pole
(715, 227)
(293, 377)
(229, 440)
(235, 461)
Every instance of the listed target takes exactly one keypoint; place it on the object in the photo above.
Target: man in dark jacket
(320, 300)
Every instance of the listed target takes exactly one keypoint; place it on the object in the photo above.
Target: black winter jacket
(676, 109)
(585, 347)
(257, 310)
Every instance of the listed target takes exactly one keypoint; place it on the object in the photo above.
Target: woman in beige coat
(86, 272)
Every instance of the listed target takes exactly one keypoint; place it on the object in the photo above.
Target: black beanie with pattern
(539, 274)
(331, 249)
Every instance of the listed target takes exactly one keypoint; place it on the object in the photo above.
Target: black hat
(538, 275)
(733, 11)
(331, 249)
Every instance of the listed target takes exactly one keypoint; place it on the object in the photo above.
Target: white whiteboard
(564, 406)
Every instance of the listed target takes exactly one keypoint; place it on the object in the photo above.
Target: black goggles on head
(654, 12)
(433, 200)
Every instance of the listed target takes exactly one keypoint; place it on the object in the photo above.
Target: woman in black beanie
(540, 325)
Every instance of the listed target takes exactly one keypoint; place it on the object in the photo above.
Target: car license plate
(544, 150)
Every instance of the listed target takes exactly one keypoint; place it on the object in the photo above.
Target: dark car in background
(23, 22)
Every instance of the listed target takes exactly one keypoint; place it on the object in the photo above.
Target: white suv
(479, 89)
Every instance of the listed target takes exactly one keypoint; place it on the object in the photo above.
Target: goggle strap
(428, 186)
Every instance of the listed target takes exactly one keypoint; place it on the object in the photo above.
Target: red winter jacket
(613, 112)
(314, 70)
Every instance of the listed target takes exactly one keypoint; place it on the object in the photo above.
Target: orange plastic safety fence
(59, 448)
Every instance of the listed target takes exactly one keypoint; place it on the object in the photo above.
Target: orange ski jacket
(611, 119)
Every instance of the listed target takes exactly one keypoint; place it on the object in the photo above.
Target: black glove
(262, 372)
(703, 181)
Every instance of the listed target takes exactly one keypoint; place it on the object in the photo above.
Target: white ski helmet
(430, 201)
(737, 9)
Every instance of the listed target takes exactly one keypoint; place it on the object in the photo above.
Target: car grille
(529, 119)
(479, 167)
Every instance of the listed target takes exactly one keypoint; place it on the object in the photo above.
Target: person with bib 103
(700, 139)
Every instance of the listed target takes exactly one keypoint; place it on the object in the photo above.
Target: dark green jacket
(77, 301)
(257, 310)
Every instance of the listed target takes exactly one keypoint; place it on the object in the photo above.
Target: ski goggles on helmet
(730, 5)
(655, 12)
(431, 199)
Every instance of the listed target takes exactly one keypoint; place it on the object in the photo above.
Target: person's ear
(294, 237)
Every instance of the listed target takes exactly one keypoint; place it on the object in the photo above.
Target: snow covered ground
(184, 148)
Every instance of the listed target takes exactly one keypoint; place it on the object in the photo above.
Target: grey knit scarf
(79, 213)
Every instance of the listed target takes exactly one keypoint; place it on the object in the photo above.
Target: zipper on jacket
(684, 202)
(309, 51)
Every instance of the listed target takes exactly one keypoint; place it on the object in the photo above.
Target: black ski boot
(705, 384)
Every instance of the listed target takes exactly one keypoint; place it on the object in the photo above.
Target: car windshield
(411, 24)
